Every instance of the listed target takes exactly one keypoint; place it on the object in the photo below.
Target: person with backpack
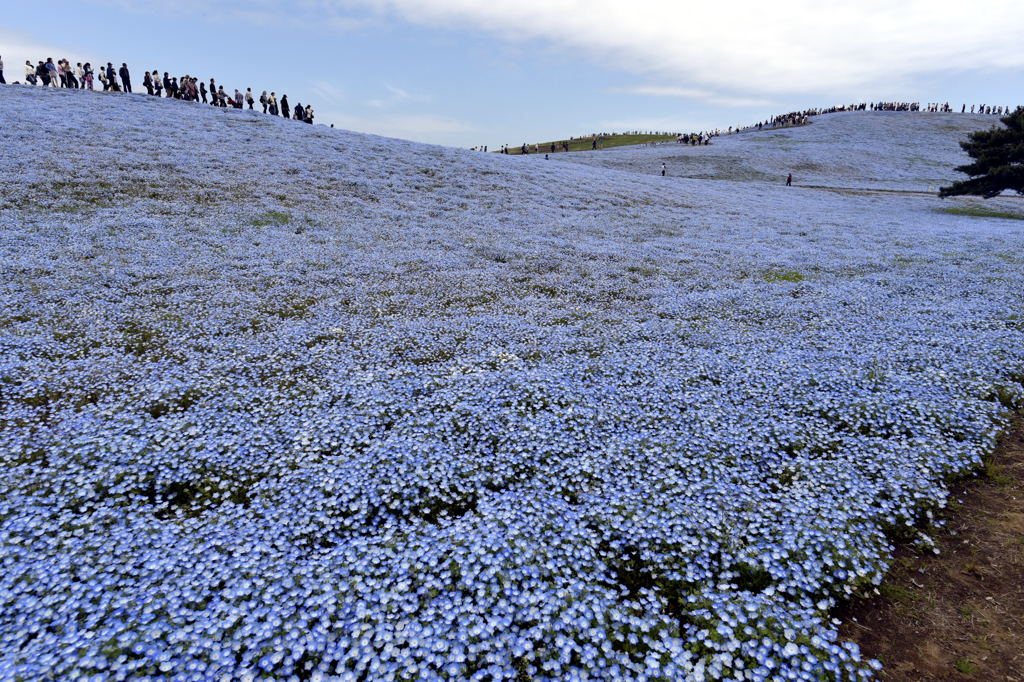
(126, 81)
(299, 111)
(51, 72)
(264, 101)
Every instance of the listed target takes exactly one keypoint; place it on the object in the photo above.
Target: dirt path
(958, 615)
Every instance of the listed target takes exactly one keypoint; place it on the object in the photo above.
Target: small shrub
(981, 212)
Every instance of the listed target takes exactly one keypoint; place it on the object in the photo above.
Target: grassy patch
(585, 144)
(981, 212)
(896, 593)
(783, 276)
(276, 218)
(994, 473)
(964, 665)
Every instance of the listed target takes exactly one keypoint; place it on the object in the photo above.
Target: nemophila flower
(500, 420)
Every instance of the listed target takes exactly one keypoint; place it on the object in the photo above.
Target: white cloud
(16, 48)
(694, 93)
(751, 46)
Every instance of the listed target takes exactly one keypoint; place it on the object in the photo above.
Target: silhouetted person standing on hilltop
(248, 97)
(202, 91)
(126, 80)
(284, 106)
(147, 82)
(213, 93)
(112, 77)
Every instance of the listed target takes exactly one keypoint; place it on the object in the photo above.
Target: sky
(474, 72)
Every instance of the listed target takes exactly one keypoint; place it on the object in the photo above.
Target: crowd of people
(61, 74)
(797, 118)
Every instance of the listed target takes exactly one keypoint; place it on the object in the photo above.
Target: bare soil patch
(958, 615)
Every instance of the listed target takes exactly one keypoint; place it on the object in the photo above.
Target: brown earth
(958, 615)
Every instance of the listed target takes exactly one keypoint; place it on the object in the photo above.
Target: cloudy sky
(471, 72)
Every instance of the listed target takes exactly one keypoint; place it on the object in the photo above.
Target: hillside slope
(285, 401)
(862, 149)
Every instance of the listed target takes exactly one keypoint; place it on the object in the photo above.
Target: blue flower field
(285, 402)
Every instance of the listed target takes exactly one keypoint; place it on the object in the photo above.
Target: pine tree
(998, 160)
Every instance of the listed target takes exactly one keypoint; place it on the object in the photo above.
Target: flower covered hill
(280, 401)
(883, 149)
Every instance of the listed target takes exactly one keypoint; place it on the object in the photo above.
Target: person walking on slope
(264, 101)
(284, 107)
(87, 75)
(309, 114)
(272, 104)
(663, 169)
(248, 97)
(147, 82)
(30, 73)
(789, 180)
(126, 80)
(112, 77)
(80, 75)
